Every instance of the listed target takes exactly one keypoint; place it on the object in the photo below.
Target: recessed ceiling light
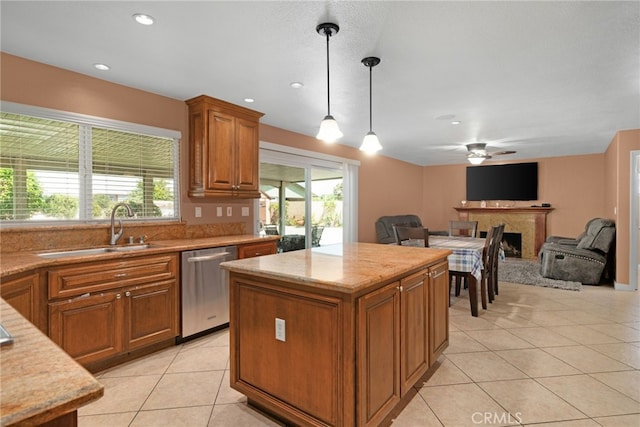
(249, 100)
(143, 19)
(296, 85)
(456, 122)
(101, 67)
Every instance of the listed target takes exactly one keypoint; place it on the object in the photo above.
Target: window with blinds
(55, 170)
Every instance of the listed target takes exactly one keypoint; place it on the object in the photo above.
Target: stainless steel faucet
(115, 236)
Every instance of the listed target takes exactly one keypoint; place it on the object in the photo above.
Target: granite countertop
(348, 268)
(39, 380)
(19, 262)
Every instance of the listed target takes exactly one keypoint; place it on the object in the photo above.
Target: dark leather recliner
(582, 259)
(384, 226)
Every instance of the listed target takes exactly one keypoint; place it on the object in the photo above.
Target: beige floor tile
(416, 413)
(464, 405)
(583, 334)
(616, 330)
(200, 359)
(586, 360)
(485, 366)
(215, 339)
(226, 394)
(447, 374)
(530, 402)
(627, 382)
(470, 323)
(506, 319)
(156, 363)
(194, 416)
(122, 419)
(620, 421)
(623, 352)
(547, 318)
(537, 363)
(460, 342)
(498, 339)
(185, 389)
(588, 422)
(590, 396)
(634, 324)
(122, 394)
(542, 337)
(239, 415)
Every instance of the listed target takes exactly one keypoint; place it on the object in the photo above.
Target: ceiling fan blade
(502, 153)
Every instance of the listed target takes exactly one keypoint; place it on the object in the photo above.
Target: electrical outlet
(280, 330)
(229, 211)
(219, 211)
(245, 211)
(198, 212)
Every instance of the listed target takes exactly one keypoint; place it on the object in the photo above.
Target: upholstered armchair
(384, 226)
(582, 259)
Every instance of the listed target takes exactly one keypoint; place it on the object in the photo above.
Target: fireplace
(511, 244)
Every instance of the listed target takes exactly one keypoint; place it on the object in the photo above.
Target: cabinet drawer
(256, 249)
(78, 279)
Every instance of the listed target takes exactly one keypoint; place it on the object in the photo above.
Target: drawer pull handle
(118, 296)
(120, 275)
(208, 257)
(438, 274)
(128, 294)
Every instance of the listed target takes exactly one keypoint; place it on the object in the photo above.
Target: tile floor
(537, 356)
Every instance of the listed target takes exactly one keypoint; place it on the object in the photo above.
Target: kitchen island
(336, 335)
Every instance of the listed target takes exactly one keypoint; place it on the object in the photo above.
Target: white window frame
(85, 123)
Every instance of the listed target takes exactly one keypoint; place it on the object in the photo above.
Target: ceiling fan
(478, 153)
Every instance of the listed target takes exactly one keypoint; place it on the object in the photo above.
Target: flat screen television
(517, 181)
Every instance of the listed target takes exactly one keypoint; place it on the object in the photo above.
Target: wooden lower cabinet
(22, 294)
(345, 360)
(95, 326)
(438, 310)
(251, 250)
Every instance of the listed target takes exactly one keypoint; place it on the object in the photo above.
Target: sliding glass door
(303, 200)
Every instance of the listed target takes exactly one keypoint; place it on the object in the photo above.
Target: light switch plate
(219, 211)
(229, 211)
(198, 212)
(280, 330)
(245, 211)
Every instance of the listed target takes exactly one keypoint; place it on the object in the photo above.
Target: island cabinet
(325, 340)
(223, 149)
(100, 310)
(22, 293)
(250, 250)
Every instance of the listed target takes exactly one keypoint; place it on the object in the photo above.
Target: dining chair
(405, 234)
(463, 228)
(495, 254)
(488, 256)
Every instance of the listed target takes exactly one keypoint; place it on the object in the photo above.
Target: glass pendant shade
(329, 130)
(475, 160)
(370, 143)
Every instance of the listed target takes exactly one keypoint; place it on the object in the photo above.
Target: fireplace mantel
(530, 222)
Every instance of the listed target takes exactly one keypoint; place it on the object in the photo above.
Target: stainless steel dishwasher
(205, 289)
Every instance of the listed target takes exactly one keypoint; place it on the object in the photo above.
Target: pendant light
(329, 131)
(370, 144)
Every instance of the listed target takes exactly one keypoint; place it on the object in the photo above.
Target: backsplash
(82, 236)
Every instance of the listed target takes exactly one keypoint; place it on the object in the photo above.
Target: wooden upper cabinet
(223, 149)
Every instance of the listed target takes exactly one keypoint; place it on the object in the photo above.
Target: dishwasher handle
(208, 257)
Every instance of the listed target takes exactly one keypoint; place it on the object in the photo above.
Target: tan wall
(573, 185)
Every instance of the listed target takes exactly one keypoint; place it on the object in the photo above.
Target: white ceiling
(543, 78)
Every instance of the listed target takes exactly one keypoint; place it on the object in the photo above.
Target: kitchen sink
(93, 251)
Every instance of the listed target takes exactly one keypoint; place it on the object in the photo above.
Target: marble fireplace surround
(530, 222)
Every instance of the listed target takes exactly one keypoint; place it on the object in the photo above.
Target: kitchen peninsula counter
(336, 335)
(41, 384)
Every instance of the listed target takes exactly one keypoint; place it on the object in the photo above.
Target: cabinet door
(438, 310)
(413, 324)
(151, 314)
(378, 360)
(21, 294)
(88, 328)
(220, 152)
(246, 155)
(256, 249)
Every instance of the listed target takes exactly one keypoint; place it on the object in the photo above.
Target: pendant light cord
(327, 33)
(370, 99)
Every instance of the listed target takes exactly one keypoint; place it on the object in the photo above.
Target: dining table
(466, 258)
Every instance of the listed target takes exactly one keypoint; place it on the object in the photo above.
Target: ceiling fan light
(370, 143)
(475, 160)
(329, 130)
